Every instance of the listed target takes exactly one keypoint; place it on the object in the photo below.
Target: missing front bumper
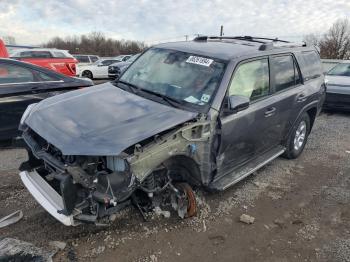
(46, 196)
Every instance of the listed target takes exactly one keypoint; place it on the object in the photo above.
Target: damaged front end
(76, 188)
(90, 189)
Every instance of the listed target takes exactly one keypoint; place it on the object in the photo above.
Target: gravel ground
(301, 210)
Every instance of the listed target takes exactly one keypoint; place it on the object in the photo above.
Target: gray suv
(204, 113)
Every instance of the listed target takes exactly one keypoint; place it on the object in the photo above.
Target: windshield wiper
(171, 101)
(131, 87)
(135, 89)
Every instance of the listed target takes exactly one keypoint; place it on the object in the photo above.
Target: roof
(38, 49)
(229, 48)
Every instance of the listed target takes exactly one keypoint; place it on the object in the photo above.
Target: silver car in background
(338, 87)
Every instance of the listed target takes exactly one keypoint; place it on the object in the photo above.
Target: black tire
(295, 144)
(87, 74)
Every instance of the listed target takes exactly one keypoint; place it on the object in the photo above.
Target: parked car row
(115, 69)
(96, 70)
(53, 59)
(23, 84)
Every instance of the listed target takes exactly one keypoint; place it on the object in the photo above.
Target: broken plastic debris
(247, 219)
(16, 250)
(11, 219)
(159, 212)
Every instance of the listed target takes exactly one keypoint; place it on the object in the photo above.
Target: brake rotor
(186, 204)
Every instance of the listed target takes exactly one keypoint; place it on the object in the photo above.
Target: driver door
(250, 132)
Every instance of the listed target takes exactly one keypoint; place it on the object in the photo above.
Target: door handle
(301, 98)
(270, 111)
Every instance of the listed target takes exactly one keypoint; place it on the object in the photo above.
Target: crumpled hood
(101, 120)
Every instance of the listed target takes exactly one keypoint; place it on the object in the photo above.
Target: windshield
(182, 76)
(341, 69)
(133, 58)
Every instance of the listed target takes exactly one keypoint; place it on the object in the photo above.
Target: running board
(240, 173)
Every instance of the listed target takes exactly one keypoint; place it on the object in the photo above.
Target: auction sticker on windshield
(199, 60)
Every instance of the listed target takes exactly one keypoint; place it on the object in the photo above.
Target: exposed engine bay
(95, 187)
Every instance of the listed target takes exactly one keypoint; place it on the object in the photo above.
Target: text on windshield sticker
(199, 60)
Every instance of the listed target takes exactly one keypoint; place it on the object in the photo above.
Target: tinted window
(251, 80)
(310, 65)
(82, 58)
(14, 74)
(285, 73)
(25, 54)
(340, 70)
(93, 58)
(45, 77)
(59, 54)
(108, 62)
(36, 54)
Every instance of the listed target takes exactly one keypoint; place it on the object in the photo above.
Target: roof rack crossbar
(265, 45)
(247, 38)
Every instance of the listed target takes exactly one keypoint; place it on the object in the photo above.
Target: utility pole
(222, 30)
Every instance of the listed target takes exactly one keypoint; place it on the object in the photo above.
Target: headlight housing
(26, 114)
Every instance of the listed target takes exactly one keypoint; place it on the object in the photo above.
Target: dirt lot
(301, 210)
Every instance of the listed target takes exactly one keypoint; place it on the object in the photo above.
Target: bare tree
(335, 44)
(96, 43)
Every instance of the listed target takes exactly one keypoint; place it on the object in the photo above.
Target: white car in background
(99, 69)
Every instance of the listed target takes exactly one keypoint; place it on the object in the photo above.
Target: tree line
(334, 43)
(96, 43)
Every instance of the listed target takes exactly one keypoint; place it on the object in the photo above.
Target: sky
(152, 21)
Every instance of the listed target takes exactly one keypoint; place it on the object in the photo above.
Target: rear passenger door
(288, 91)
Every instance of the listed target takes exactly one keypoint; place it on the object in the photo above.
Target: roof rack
(266, 43)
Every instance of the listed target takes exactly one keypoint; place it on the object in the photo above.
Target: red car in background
(57, 60)
(3, 50)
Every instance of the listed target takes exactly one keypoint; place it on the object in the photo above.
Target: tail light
(72, 67)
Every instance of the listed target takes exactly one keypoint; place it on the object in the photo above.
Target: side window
(310, 65)
(44, 77)
(25, 54)
(82, 58)
(284, 71)
(107, 62)
(59, 54)
(14, 74)
(93, 59)
(251, 79)
(41, 54)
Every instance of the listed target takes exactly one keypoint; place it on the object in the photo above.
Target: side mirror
(100, 64)
(238, 103)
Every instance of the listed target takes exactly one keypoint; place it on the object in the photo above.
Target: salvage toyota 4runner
(204, 113)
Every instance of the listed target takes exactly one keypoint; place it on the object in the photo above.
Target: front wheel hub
(184, 201)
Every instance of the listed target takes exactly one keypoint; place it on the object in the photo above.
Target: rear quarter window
(10, 74)
(59, 54)
(310, 64)
(82, 59)
(36, 54)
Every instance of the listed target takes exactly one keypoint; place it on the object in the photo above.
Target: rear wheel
(87, 74)
(298, 137)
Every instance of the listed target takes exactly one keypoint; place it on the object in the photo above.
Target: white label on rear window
(199, 60)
